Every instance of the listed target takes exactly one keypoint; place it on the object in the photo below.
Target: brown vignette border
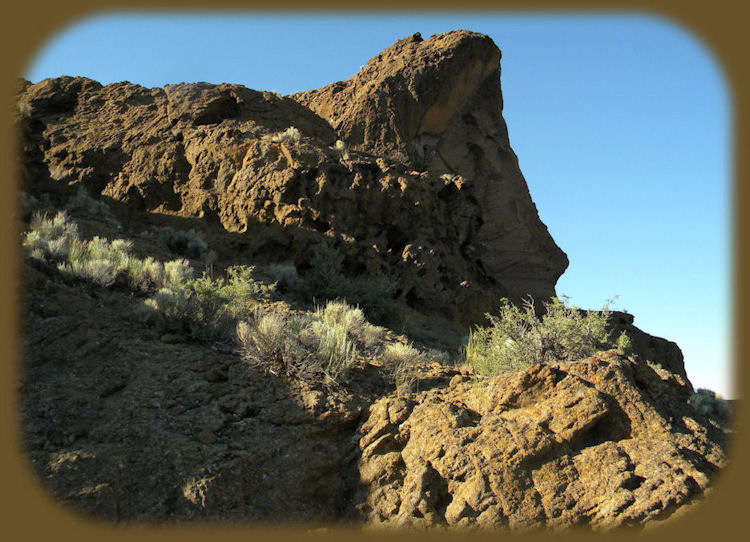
(30, 513)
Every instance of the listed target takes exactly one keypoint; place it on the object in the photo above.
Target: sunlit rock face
(425, 188)
(436, 105)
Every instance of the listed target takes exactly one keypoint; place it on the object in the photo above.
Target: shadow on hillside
(124, 426)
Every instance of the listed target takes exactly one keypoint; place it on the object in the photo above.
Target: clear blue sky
(622, 126)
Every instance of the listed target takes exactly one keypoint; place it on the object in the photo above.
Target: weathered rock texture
(122, 423)
(429, 191)
(125, 423)
(436, 105)
(603, 442)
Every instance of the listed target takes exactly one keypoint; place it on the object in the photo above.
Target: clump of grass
(263, 342)
(323, 345)
(372, 335)
(190, 244)
(517, 338)
(82, 203)
(50, 237)
(103, 262)
(291, 134)
(325, 280)
(97, 260)
(402, 361)
(148, 274)
(336, 351)
(340, 148)
(339, 314)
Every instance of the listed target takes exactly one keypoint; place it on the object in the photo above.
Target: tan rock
(587, 442)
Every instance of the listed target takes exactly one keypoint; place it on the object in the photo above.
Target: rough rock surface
(603, 442)
(436, 105)
(126, 423)
(123, 423)
(431, 194)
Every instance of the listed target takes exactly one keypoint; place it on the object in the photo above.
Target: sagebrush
(373, 292)
(518, 338)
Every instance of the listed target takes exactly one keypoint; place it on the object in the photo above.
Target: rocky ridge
(434, 199)
(123, 422)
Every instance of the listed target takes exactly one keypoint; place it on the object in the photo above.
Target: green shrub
(50, 237)
(82, 203)
(517, 338)
(321, 346)
(266, 340)
(27, 202)
(190, 244)
(175, 304)
(711, 405)
(210, 308)
(374, 293)
(325, 280)
(284, 276)
(99, 260)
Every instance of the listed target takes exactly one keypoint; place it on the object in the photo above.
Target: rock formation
(604, 441)
(436, 105)
(404, 169)
(428, 191)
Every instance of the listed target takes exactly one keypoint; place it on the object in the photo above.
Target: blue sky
(621, 123)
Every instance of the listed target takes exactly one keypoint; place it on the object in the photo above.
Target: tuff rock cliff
(404, 169)
(428, 190)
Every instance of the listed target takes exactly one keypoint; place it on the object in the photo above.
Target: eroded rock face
(605, 441)
(436, 104)
(428, 191)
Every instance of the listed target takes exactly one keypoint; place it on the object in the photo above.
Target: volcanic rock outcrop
(605, 441)
(404, 169)
(436, 105)
(426, 188)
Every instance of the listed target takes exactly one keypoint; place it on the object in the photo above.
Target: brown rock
(436, 104)
(578, 443)
(429, 190)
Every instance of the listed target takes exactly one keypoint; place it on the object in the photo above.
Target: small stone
(455, 381)
(206, 437)
(216, 374)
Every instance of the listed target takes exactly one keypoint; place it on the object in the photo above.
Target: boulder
(603, 442)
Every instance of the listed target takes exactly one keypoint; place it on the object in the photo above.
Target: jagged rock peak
(437, 104)
(413, 87)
